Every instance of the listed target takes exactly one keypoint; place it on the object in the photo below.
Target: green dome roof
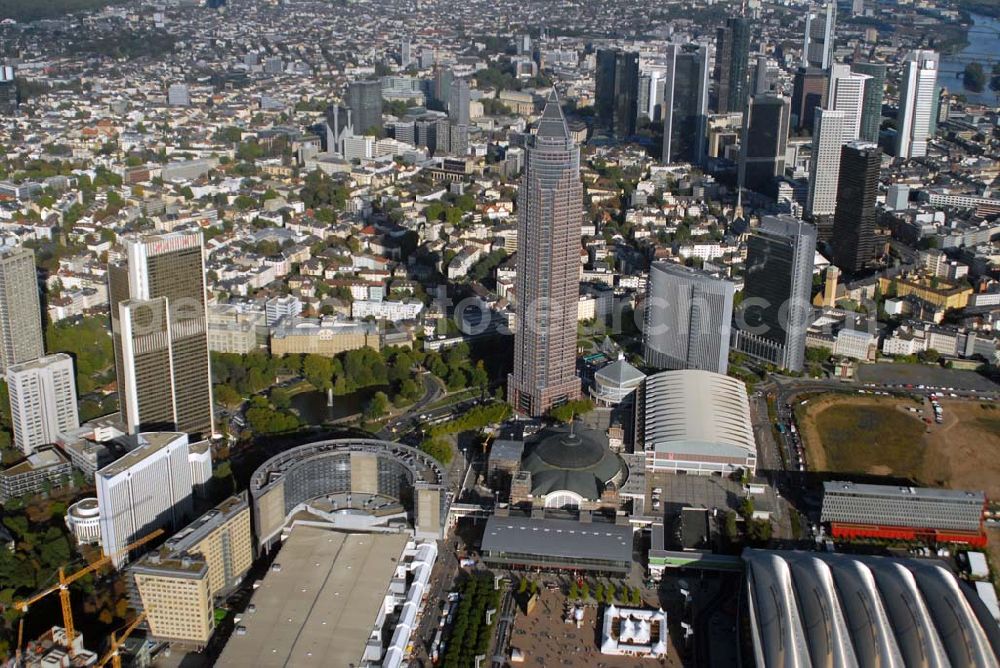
(573, 459)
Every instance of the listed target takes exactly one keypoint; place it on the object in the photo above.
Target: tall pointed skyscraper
(158, 322)
(550, 205)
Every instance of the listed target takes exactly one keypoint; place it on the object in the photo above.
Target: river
(984, 48)
(313, 409)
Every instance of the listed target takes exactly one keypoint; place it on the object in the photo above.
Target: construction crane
(114, 655)
(66, 580)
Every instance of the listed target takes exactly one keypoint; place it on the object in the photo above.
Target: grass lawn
(878, 439)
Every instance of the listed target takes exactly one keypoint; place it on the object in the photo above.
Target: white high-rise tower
(829, 132)
(847, 94)
(916, 104)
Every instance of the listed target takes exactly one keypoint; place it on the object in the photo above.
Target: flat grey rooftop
(558, 538)
(319, 609)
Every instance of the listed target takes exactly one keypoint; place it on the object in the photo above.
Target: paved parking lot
(925, 374)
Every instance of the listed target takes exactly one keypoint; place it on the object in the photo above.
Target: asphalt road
(432, 392)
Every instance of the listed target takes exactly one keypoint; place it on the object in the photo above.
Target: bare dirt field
(879, 436)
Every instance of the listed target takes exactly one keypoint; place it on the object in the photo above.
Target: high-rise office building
(809, 91)
(147, 489)
(160, 335)
(405, 57)
(831, 131)
(338, 128)
(871, 113)
(178, 96)
(9, 96)
(854, 222)
(178, 584)
(765, 139)
(604, 87)
(685, 103)
(458, 102)
(847, 94)
(616, 89)
(763, 76)
(817, 48)
(42, 401)
(550, 200)
(776, 313)
(688, 314)
(20, 311)
(441, 89)
(650, 94)
(916, 104)
(732, 63)
(364, 98)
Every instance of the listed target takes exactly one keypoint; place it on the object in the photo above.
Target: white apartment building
(42, 401)
(386, 310)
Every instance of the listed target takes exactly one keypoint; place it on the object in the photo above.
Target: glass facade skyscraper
(871, 113)
(688, 314)
(616, 89)
(685, 103)
(765, 132)
(854, 222)
(364, 99)
(776, 310)
(732, 61)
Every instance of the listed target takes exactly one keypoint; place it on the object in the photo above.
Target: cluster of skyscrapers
(838, 104)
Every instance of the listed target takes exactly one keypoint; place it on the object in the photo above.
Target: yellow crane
(114, 655)
(66, 580)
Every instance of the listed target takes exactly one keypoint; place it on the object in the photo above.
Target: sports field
(880, 436)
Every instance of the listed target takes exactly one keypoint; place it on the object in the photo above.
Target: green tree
(227, 396)
(568, 411)
(974, 77)
(377, 406)
(318, 370)
(930, 355)
(438, 449)
(281, 398)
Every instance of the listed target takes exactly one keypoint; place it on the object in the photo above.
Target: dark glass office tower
(458, 104)
(550, 202)
(440, 90)
(364, 99)
(809, 91)
(732, 61)
(160, 336)
(854, 222)
(765, 132)
(776, 313)
(685, 103)
(604, 87)
(871, 107)
(616, 89)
